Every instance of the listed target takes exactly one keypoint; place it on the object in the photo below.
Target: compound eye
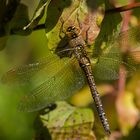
(71, 28)
(74, 36)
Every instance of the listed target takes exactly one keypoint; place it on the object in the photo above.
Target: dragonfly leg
(81, 27)
(86, 40)
(79, 22)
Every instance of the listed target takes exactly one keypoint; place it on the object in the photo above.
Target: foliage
(74, 123)
(67, 121)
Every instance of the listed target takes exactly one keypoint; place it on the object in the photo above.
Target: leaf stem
(39, 27)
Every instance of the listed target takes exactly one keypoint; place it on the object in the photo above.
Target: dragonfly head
(72, 32)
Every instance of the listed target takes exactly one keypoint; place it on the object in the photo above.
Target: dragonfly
(65, 76)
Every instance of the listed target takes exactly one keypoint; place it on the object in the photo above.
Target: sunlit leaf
(134, 86)
(58, 117)
(82, 97)
(69, 122)
(127, 112)
(83, 14)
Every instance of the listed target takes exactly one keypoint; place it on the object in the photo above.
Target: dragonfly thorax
(72, 32)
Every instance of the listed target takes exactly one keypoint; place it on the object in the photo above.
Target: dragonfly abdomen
(86, 66)
(97, 100)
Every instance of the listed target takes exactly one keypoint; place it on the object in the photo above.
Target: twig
(124, 8)
(114, 10)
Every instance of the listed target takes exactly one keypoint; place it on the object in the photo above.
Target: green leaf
(110, 26)
(13, 21)
(67, 13)
(38, 14)
(69, 122)
(19, 20)
(58, 117)
(127, 112)
(7, 11)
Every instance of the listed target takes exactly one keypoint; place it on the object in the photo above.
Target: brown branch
(114, 10)
(124, 8)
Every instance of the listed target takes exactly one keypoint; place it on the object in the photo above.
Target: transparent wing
(60, 86)
(109, 69)
(108, 65)
(23, 73)
(112, 58)
(129, 38)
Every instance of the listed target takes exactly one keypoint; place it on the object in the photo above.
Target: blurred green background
(16, 125)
